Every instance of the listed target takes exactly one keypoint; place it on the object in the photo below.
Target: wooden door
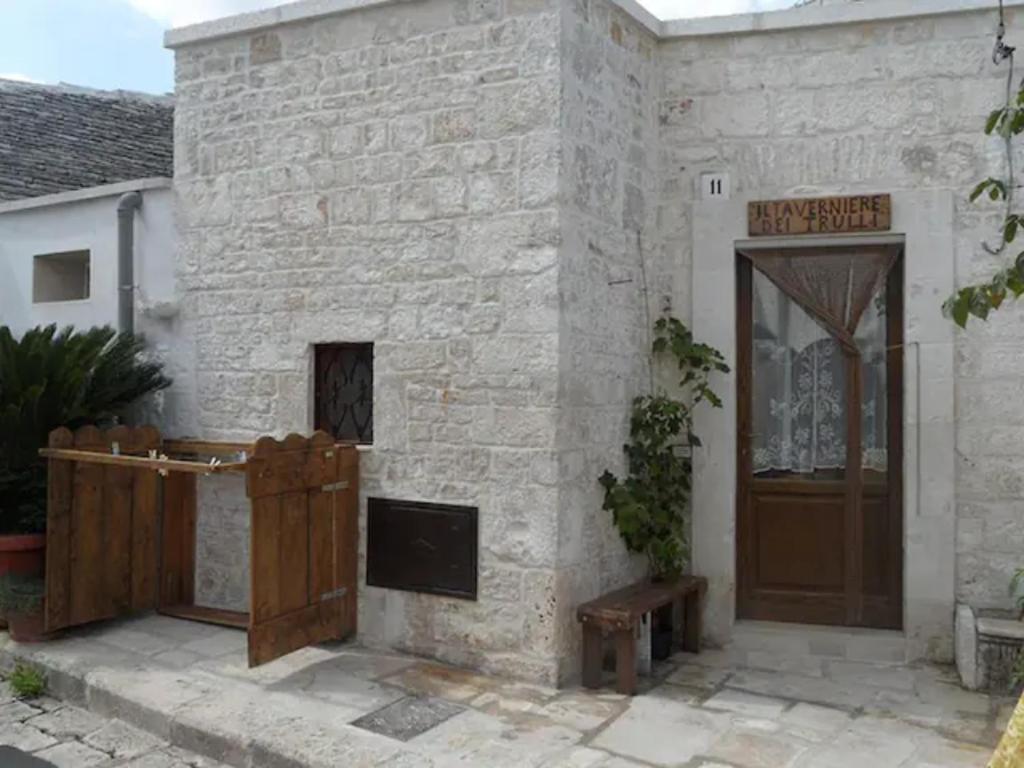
(101, 529)
(305, 502)
(813, 545)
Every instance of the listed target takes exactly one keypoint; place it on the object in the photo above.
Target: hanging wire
(1003, 52)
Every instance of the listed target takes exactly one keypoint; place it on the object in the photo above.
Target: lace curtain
(800, 386)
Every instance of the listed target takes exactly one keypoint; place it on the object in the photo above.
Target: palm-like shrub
(52, 378)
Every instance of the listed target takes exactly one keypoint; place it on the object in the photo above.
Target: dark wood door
(813, 545)
(305, 505)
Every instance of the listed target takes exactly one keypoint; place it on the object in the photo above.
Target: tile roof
(57, 138)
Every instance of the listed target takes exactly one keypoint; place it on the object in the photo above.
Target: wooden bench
(620, 612)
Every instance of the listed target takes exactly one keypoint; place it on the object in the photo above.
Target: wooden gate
(101, 528)
(304, 496)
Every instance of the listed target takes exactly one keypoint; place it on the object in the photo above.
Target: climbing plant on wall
(1007, 122)
(650, 505)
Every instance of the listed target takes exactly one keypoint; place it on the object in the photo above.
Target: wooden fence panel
(304, 544)
(101, 529)
(59, 493)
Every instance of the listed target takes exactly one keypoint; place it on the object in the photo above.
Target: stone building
(500, 196)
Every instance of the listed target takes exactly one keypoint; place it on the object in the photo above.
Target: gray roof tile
(57, 138)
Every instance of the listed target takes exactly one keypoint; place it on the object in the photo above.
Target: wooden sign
(820, 215)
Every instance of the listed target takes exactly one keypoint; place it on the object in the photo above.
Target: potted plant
(21, 600)
(50, 379)
(650, 506)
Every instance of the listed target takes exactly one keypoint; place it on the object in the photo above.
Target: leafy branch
(650, 505)
(981, 299)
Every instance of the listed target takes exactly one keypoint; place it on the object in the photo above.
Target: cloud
(20, 77)
(178, 13)
(689, 9)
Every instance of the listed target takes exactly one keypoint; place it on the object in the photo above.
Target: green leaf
(993, 120)
(1010, 230)
(960, 310)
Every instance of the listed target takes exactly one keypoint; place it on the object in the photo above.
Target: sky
(119, 43)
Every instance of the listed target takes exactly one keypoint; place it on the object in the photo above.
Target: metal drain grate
(408, 717)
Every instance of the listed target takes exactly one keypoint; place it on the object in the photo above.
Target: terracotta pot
(27, 627)
(23, 553)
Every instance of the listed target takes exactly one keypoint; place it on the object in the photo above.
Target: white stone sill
(1008, 629)
(829, 15)
(823, 16)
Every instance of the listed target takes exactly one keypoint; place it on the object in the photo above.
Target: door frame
(853, 607)
(705, 293)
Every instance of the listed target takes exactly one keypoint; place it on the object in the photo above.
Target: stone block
(453, 126)
(122, 741)
(516, 108)
(24, 737)
(68, 723)
(966, 647)
(73, 754)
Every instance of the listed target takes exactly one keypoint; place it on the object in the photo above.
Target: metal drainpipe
(127, 205)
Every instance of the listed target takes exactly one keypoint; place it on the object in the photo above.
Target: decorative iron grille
(343, 391)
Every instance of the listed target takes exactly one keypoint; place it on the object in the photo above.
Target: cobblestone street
(70, 737)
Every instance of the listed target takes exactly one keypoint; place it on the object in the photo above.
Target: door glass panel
(871, 341)
(800, 390)
(877, 564)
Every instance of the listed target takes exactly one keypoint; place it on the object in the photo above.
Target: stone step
(239, 725)
(805, 640)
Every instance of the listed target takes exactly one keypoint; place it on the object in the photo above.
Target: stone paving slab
(719, 709)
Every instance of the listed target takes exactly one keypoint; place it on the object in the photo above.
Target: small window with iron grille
(343, 391)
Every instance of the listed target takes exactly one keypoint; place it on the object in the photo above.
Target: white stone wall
(389, 175)
(610, 256)
(890, 106)
(500, 194)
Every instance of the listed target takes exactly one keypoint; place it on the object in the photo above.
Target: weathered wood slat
(293, 552)
(281, 467)
(145, 521)
(630, 603)
(289, 632)
(89, 598)
(322, 566)
(118, 482)
(177, 582)
(58, 534)
(142, 462)
(265, 554)
(347, 539)
(206, 615)
(204, 448)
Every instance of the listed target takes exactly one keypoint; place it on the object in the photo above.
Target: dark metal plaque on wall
(420, 547)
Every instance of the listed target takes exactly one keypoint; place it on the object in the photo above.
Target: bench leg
(625, 661)
(592, 656)
(691, 629)
(678, 623)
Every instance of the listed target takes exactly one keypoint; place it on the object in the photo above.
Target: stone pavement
(342, 705)
(66, 736)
